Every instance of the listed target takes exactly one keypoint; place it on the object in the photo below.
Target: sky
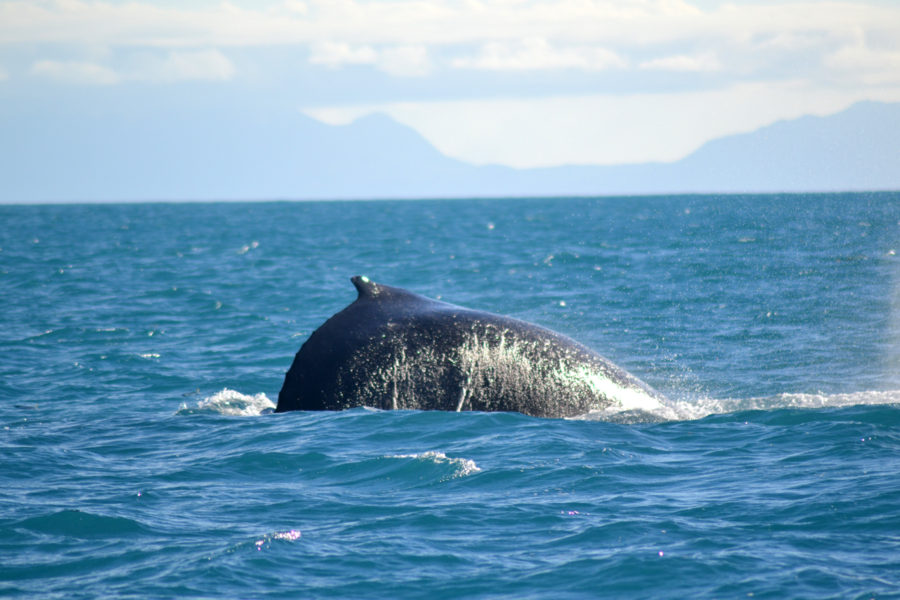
(515, 82)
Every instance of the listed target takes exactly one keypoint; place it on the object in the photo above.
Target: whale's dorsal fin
(365, 286)
(369, 290)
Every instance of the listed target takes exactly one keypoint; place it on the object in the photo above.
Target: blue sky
(516, 82)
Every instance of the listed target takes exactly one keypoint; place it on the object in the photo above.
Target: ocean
(142, 348)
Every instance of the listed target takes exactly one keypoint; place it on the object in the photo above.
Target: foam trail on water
(789, 400)
(231, 403)
(697, 408)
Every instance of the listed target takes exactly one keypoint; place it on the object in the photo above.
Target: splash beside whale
(393, 349)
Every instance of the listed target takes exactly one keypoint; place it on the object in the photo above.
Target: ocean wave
(460, 466)
(231, 403)
(292, 535)
(81, 524)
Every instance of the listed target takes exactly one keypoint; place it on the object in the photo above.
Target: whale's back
(393, 349)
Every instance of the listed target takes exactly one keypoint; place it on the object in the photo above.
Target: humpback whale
(394, 349)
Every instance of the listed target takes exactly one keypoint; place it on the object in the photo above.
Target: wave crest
(461, 466)
(231, 403)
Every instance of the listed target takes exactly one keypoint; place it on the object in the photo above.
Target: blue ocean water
(142, 348)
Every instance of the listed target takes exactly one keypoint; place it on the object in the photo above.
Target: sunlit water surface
(142, 348)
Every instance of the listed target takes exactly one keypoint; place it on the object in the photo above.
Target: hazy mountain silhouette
(210, 151)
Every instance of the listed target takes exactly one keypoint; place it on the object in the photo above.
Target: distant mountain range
(180, 152)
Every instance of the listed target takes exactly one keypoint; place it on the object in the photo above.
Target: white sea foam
(231, 403)
(819, 400)
(461, 466)
(248, 247)
(697, 408)
(288, 536)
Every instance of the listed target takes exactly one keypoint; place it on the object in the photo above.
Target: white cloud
(684, 63)
(610, 24)
(746, 40)
(603, 129)
(405, 61)
(538, 54)
(3, 74)
(202, 65)
(296, 6)
(74, 72)
(336, 54)
(340, 115)
(869, 66)
(401, 61)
